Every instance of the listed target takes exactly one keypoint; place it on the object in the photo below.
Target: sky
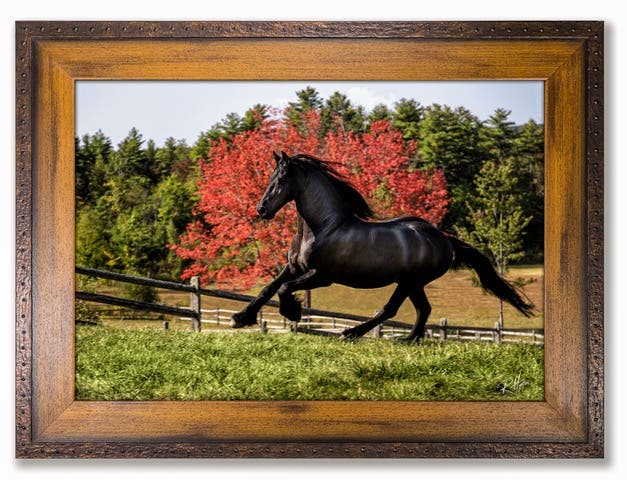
(183, 109)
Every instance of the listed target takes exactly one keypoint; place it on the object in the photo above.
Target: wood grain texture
(309, 59)
(565, 241)
(53, 243)
(320, 421)
(51, 55)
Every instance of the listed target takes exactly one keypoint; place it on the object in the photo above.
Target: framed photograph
(64, 410)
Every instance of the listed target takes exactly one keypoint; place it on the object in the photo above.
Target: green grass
(150, 364)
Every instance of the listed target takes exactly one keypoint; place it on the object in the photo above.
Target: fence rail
(314, 321)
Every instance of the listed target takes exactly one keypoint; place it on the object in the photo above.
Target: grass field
(452, 296)
(150, 364)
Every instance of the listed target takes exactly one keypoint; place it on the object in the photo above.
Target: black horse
(337, 242)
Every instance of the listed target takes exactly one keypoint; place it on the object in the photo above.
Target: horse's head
(280, 190)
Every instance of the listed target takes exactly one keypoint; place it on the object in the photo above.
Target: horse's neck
(320, 205)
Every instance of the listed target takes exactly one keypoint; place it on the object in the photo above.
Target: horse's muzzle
(264, 213)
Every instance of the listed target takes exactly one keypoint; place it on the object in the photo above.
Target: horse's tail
(468, 256)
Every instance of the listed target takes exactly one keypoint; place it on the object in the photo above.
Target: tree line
(137, 202)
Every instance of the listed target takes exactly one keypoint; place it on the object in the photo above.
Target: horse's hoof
(350, 334)
(290, 308)
(241, 320)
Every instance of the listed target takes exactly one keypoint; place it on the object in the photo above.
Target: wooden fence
(314, 321)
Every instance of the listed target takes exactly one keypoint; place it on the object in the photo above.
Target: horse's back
(405, 219)
(432, 249)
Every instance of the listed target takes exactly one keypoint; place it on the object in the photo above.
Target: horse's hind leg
(423, 310)
(389, 310)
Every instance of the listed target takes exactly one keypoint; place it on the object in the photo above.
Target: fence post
(264, 326)
(377, 331)
(442, 329)
(218, 316)
(194, 302)
(496, 334)
(307, 304)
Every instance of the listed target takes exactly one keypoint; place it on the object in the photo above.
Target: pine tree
(308, 99)
(231, 125)
(499, 135)
(529, 150)
(449, 139)
(92, 165)
(497, 215)
(339, 113)
(254, 117)
(379, 112)
(169, 157)
(406, 118)
(82, 165)
(130, 158)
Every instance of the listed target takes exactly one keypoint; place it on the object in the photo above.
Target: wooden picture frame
(567, 56)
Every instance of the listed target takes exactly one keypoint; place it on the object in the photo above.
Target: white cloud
(367, 97)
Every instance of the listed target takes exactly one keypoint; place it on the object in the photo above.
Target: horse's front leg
(248, 316)
(291, 308)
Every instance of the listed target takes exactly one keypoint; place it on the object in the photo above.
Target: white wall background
(614, 466)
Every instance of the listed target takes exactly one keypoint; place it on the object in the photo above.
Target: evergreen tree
(165, 157)
(130, 158)
(528, 146)
(499, 135)
(498, 212)
(168, 158)
(201, 147)
(406, 118)
(338, 112)
(529, 150)
(254, 117)
(379, 112)
(82, 166)
(308, 99)
(150, 157)
(145, 201)
(92, 165)
(174, 201)
(449, 139)
(497, 216)
(93, 244)
(231, 125)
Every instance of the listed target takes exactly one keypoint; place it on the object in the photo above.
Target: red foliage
(377, 165)
(232, 247)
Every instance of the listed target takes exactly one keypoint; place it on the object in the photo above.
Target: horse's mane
(354, 201)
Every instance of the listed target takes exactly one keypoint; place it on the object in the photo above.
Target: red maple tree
(230, 246)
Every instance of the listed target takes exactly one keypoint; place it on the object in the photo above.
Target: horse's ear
(284, 156)
(276, 156)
